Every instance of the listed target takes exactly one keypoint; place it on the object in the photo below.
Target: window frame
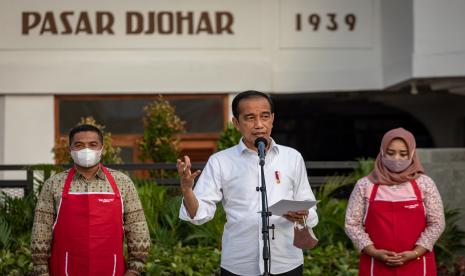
(188, 141)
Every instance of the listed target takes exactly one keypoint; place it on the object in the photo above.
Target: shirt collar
(99, 175)
(243, 148)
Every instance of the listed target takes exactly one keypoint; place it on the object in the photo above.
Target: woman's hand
(408, 256)
(391, 258)
(416, 253)
(387, 257)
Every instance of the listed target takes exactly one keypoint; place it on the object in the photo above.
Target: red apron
(396, 226)
(88, 232)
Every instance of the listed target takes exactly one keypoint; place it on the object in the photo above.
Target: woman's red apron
(88, 232)
(396, 226)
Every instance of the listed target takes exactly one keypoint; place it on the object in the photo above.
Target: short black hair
(82, 128)
(247, 95)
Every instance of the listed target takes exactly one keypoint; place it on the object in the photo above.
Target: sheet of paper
(283, 206)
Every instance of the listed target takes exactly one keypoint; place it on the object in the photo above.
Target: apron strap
(373, 192)
(111, 180)
(414, 184)
(68, 181)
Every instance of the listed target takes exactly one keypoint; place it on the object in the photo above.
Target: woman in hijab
(395, 214)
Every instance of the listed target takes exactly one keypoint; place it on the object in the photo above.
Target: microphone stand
(265, 222)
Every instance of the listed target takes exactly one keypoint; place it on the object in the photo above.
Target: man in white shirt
(232, 176)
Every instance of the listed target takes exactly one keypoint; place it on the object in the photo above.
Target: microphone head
(260, 139)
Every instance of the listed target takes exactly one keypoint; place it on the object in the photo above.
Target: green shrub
(210, 233)
(16, 261)
(332, 259)
(183, 260)
(166, 229)
(6, 238)
(228, 138)
(161, 132)
(365, 166)
(331, 213)
(161, 212)
(16, 219)
(181, 248)
(450, 247)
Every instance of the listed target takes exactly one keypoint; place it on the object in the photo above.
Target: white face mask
(86, 157)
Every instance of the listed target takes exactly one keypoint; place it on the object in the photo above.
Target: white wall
(131, 72)
(394, 41)
(439, 38)
(333, 61)
(265, 54)
(28, 129)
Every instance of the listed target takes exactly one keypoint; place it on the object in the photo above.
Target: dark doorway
(340, 126)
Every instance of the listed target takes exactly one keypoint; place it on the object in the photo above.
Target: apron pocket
(75, 265)
(104, 264)
(96, 264)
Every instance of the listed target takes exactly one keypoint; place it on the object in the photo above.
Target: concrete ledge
(446, 166)
(441, 155)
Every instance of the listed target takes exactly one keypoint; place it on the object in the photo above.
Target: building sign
(146, 24)
(137, 23)
(184, 24)
(326, 24)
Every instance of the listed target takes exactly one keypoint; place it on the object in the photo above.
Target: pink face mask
(396, 166)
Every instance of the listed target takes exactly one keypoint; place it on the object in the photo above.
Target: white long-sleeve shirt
(231, 176)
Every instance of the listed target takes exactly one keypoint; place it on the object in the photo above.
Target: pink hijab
(381, 175)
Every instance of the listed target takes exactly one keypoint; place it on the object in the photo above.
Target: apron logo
(105, 200)
(413, 206)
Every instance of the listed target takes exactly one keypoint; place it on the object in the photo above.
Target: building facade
(341, 72)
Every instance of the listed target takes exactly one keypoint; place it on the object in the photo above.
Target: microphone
(260, 144)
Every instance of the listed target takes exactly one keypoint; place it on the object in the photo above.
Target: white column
(28, 132)
(2, 129)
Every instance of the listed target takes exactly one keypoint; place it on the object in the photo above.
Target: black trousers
(298, 271)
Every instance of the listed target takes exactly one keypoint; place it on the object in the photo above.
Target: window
(205, 117)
